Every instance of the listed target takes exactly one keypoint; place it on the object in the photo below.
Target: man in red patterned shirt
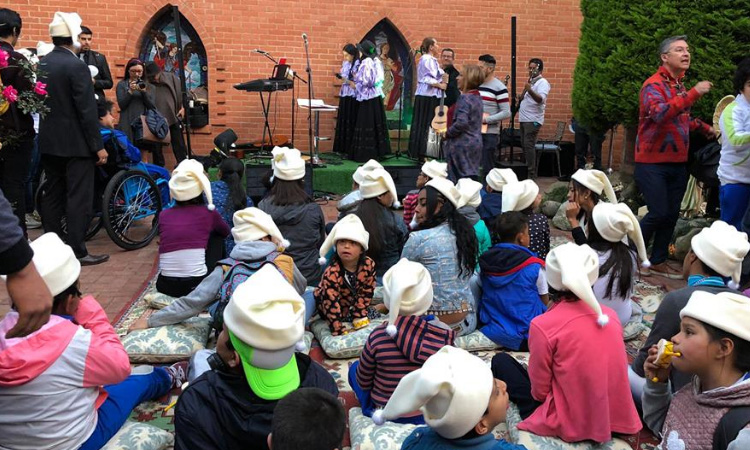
(661, 150)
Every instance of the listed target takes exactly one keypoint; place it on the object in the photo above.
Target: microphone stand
(314, 158)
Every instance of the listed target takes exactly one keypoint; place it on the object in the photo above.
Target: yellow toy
(665, 355)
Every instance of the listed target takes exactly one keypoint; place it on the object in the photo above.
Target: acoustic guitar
(440, 121)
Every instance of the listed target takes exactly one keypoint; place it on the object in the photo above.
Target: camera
(140, 84)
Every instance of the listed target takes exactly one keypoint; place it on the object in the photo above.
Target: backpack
(730, 425)
(704, 163)
(235, 273)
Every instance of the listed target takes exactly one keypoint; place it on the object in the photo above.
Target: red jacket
(664, 121)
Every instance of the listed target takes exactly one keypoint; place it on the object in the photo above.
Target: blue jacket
(510, 298)
(491, 206)
(424, 438)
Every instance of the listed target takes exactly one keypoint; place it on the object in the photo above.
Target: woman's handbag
(151, 127)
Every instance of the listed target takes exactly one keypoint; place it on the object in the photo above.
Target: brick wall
(229, 29)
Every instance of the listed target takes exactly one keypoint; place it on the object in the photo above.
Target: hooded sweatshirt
(50, 380)
(689, 419)
(220, 411)
(304, 226)
(510, 277)
(385, 359)
(208, 290)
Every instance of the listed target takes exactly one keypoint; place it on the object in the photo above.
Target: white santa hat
(66, 25)
(351, 228)
(452, 389)
(43, 48)
(498, 178)
(252, 224)
(287, 164)
(435, 169)
(520, 195)
(407, 291)
(615, 221)
(447, 188)
(469, 190)
(376, 182)
(596, 181)
(727, 311)
(366, 167)
(575, 268)
(55, 262)
(188, 181)
(722, 248)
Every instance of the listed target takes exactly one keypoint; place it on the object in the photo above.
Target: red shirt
(664, 121)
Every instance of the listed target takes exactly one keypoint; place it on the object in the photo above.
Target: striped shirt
(496, 104)
(385, 359)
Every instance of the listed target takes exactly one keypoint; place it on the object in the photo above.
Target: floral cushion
(475, 341)
(534, 442)
(139, 436)
(157, 300)
(346, 346)
(365, 435)
(169, 343)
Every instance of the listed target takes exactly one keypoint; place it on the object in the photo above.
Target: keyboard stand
(266, 126)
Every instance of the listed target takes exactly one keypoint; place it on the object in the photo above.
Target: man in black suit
(69, 138)
(103, 80)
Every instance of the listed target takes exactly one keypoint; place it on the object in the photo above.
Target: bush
(618, 51)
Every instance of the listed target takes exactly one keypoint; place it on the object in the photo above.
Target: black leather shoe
(92, 260)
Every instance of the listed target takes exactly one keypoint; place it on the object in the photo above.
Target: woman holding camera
(133, 92)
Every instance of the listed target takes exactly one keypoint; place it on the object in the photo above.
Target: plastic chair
(551, 147)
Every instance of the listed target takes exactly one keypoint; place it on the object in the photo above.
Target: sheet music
(317, 105)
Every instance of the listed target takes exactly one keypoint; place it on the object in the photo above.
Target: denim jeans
(663, 186)
(121, 400)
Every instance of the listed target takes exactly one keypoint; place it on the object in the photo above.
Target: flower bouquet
(27, 101)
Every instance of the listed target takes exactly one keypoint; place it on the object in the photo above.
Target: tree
(618, 51)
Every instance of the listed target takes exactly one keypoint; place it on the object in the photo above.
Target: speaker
(405, 178)
(255, 172)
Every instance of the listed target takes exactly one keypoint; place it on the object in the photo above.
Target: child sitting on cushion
(492, 194)
(575, 387)
(524, 196)
(402, 345)
(430, 169)
(257, 241)
(185, 229)
(471, 199)
(231, 407)
(460, 400)
(612, 226)
(514, 284)
(714, 347)
(308, 418)
(345, 290)
(69, 385)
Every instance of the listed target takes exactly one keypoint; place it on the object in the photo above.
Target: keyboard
(264, 85)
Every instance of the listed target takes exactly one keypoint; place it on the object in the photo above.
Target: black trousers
(177, 286)
(489, 147)
(516, 377)
(15, 163)
(70, 193)
(178, 142)
(585, 141)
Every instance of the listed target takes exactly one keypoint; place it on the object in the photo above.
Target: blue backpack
(235, 273)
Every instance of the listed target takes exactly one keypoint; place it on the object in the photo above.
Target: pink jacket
(579, 371)
(50, 381)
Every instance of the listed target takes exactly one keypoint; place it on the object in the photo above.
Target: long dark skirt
(346, 120)
(370, 133)
(424, 112)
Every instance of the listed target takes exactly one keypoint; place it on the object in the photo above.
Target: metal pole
(514, 105)
(181, 62)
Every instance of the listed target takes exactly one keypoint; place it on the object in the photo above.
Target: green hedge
(618, 50)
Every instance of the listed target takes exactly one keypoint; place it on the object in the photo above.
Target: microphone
(257, 50)
(304, 36)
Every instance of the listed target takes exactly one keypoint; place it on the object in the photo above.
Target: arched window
(398, 65)
(160, 45)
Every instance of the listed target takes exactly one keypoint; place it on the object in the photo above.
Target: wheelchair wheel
(131, 205)
(94, 226)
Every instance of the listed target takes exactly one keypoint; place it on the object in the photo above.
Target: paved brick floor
(114, 283)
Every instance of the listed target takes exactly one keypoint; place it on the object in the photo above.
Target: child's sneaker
(179, 373)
